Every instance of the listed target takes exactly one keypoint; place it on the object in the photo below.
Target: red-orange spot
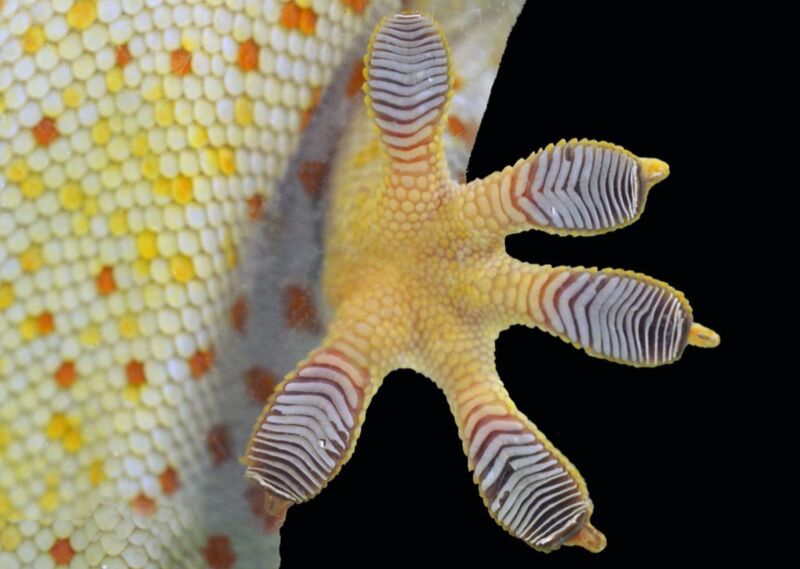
(248, 55)
(45, 131)
(218, 443)
(309, 112)
(65, 374)
(307, 21)
(200, 362)
(181, 62)
(169, 480)
(143, 505)
(123, 55)
(218, 552)
(255, 204)
(358, 6)
(45, 323)
(298, 308)
(134, 371)
(460, 130)
(62, 552)
(260, 383)
(356, 79)
(239, 314)
(105, 281)
(458, 82)
(290, 15)
(310, 175)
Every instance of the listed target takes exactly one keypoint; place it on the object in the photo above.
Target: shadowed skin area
(416, 272)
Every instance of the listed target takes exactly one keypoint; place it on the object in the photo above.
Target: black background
(655, 446)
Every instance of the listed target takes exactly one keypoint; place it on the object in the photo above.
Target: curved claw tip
(654, 170)
(589, 538)
(703, 337)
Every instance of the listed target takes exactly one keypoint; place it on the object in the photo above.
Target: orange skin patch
(123, 55)
(62, 552)
(65, 375)
(219, 553)
(358, 6)
(298, 309)
(45, 131)
(181, 62)
(310, 175)
(105, 281)
(290, 15)
(143, 505)
(356, 79)
(134, 371)
(201, 362)
(260, 384)
(248, 56)
(239, 314)
(169, 480)
(218, 443)
(458, 129)
(255, 204)
(45, 323)
(309, 112)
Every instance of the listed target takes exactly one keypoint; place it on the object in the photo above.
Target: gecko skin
(416, 272)
(141, 144)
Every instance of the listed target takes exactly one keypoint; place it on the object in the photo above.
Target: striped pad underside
(626, 318)
(579, 186)
(525, 487)
(408, 82)
(309, 428)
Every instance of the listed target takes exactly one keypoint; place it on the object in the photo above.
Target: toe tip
(654, 170)
(589, 538)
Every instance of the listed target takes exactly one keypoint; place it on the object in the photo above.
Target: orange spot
(290, 15)
(218, 444)
(169, 480)
(200, 362)
(123, 55)
(218, 552)
(458, 82)
(181, 62)
(143, 505)
(310, 175)
(239, 314)
(358, 6)
(309, 112)
(260, 384)
(248, 55)
(356, 79)
(307, 21)
(298, 309)
(45, 323)
(460, 130)
(105, 281)
(255, 204)
(134, 371)
(45, 132)
(62, 552)
(65, 375)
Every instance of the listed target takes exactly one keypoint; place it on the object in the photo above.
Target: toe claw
(703, 337)
(654, 170)
(589, 538)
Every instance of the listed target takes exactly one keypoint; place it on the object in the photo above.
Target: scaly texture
(416, 272)
(140, 143)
